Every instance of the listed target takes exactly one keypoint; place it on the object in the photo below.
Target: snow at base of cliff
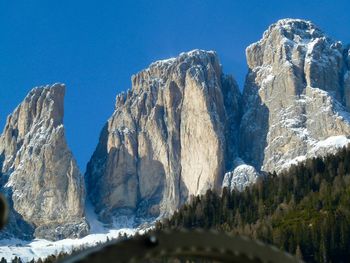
(244, 175)
(40, 248)
(320, 149)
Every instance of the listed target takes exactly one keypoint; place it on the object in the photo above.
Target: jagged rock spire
(170, 137)
(294, 95)
(38, 171)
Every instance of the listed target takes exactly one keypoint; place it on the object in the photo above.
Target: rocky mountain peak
(295, 89)
(295, 30)
(159, 70)
(168, 137)
(41, 109)
(196, 56)
(294, 41)
(38, 171)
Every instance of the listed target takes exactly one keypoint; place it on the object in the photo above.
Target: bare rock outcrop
(242, 176)
(39, 174)
(184, 127)
(173, 135)
(295, 96)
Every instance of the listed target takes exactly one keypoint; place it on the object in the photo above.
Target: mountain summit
(296, 96)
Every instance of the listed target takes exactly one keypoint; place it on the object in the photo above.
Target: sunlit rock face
(38, 172)
(295, 97)
(172, 135)
(184, 127)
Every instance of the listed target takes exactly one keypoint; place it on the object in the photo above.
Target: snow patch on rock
(241, 177)
(321, 148)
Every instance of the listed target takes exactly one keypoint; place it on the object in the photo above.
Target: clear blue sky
(95, 46)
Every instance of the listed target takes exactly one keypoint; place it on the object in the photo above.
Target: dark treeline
(305, 210)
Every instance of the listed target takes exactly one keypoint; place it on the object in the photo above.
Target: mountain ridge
(293, 105)
(185, 127)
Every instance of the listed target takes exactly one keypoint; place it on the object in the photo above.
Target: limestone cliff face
(295, 96)
(173, 135)
(38, 172)
(184, 127)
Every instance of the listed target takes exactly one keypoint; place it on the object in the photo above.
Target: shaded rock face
(347, 79)
(171, 136)
(295, 96)
(38, 172)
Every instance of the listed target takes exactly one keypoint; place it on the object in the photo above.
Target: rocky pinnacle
(171, 136)
(38, 171)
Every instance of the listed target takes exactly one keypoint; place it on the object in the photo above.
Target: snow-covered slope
(99, 233)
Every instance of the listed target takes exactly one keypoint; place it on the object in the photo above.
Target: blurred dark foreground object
(3, 211)
(175, 246)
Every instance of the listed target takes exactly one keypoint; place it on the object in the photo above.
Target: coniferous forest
(305, 210)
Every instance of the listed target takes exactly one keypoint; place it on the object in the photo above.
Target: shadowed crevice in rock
(16, 225)
(152, 185)
(2, 159)
(253, 126)
(346, 78)
(132, 190)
